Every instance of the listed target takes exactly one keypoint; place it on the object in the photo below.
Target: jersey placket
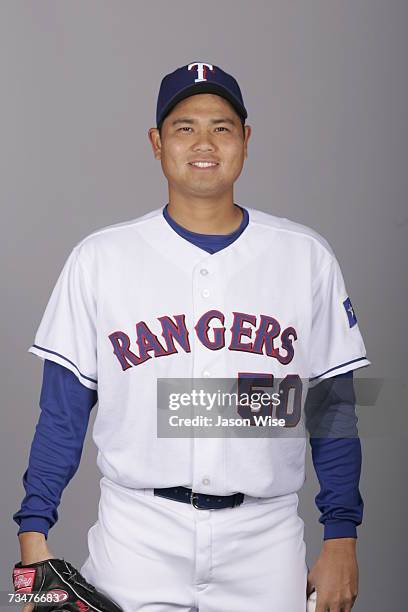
(208, 465)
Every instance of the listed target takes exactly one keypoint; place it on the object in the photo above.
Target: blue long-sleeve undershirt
(336, 454)
(56, 448)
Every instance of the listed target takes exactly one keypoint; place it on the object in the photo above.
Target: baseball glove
(57, 585)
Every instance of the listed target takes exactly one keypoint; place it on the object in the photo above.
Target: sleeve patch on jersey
(352, 319)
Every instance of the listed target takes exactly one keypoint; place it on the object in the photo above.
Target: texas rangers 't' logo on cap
(201, 70)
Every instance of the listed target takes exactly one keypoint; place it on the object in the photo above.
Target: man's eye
(185, 128)
(221, 128)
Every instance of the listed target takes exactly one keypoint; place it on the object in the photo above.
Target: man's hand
(33, 547)
(334, 576)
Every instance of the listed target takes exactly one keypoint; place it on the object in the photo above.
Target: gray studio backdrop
(325, 84)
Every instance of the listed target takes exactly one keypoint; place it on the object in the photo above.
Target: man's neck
(206, 216)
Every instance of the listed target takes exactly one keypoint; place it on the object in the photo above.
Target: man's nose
(203, 141)
(203, 145)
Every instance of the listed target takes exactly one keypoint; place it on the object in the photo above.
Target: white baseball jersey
(136, 302)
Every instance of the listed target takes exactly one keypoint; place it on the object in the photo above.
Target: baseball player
(200, 288)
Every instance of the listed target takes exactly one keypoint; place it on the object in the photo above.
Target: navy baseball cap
(195, 78)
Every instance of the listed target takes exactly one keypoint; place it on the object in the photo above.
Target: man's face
(203, 127)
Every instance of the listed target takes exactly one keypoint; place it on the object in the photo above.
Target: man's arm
(55, 453)
(330, 415)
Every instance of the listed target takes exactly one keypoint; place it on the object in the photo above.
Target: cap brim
(206, 87)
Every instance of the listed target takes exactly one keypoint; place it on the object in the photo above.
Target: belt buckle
(193, 498)
(238, 500)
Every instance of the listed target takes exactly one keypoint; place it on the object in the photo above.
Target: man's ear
(155, 141)
(248, 131)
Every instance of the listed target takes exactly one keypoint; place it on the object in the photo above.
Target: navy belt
(201, 501)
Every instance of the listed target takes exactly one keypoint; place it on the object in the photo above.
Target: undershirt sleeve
(336, 455)
(56, 448)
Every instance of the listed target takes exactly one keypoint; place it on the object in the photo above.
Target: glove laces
(73, 576)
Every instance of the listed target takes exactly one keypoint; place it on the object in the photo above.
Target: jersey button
(205, 293)
(206, 481)
(206, 374)
(204, 271)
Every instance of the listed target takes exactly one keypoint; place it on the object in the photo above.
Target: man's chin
(206, 193)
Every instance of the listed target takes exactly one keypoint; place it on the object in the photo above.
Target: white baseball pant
(153, 554)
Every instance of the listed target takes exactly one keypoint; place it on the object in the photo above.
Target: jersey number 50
(289, 401)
